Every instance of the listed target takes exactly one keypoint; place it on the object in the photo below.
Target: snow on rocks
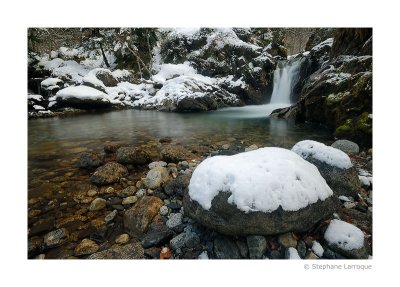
(334, 165)
(323, 153)
(258, 192)
(278, 177)
(81, 97)
(346, 239)
(291, 253)
(317, 248)
(49, 82)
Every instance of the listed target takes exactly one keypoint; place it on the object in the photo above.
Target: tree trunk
(104, 56)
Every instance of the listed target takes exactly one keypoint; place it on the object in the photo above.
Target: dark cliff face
(352, 41)
(338, 93)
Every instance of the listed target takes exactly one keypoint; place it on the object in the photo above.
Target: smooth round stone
(122, 239)
(91, 192)
(346, 146)
(97, 204)
(86, 247)
(129, 200)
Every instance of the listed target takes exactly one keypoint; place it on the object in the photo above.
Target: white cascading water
(284, 79)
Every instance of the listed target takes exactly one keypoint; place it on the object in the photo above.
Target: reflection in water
(60, 139)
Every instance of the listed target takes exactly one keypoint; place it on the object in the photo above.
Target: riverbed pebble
(97, 204)
(164, 210)
(129, 200)
(122, 239)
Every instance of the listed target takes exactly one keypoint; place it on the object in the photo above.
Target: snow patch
(50, 82)
(321, 152)
(80, 92)
(38, 108)
(344, 235)
(317, 248)
(38, 98)
(259, 180)
(203, 255)
(293, 254)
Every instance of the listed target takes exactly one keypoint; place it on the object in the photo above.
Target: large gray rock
(133, 155)
(227, 219)
(109, 173)
(347, 146)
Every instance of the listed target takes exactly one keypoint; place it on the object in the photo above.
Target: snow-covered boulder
(189, 93)
(346, 239)
(262, 192)
(333, 164)
(80, 97)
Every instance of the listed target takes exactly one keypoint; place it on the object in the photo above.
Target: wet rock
(112, 147)
(92, 192)
(225, 248)
(257, 246)
(109, 173)
(129, 251)
(97, 204)
(86, 247)
(122, 239)
(156, 177)
(56, 238)
(138, 218)
(311, 255)
(128, 191)
(165, 140)
(118, 207)
(243, 249)
(302, 248)
(153, 252)
(129, 200)
(157, 235)
(346, 146)
(176, 206)
(250, 148)
(177, 186)
(287, 240)
(110, 217)
(157, 164)
(133, 155)
(175, 154)
(174, 220)
(35, 246)
(90, 160)
(41, 226)
(141, 192)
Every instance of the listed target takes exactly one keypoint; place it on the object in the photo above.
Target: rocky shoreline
(124, 202)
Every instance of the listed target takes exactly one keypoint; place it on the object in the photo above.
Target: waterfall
(285, 78)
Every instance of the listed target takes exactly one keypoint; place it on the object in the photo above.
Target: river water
(53, 141)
